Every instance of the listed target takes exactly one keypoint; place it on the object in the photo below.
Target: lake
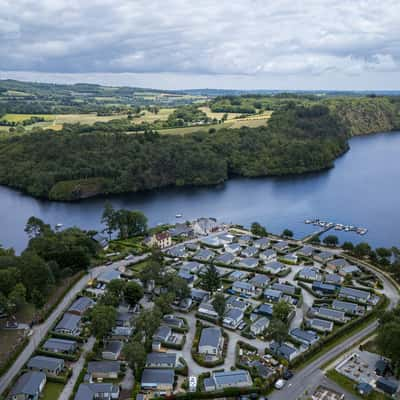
(363, 190)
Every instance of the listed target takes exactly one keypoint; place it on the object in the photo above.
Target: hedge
(15, 355)
(68, 357)
(57, 335)
(228, 392)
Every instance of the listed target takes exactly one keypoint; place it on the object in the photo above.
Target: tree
(211, 281)
(362, 250)
(281, 311)
(383, 252)
(177, 285)
(258, 230)
(151, 273)
(164, 303)
(116, 287)
(135, 354)
(331, 240)
(287, 233)
(147, 323)
(130, 223)
(102, 320)
(278, 330)
(17, 297)
(388, 342)
(108, 219)
(315, 239)
(348, 246)
(219, 304)
(109, 299)
(36, 227)
(133, 292)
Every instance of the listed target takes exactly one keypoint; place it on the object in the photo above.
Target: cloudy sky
(279, 44)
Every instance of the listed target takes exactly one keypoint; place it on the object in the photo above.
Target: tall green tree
(133, 292)
(211, 280)
(281, 311)
(219, 304)
(102, 320)
(331, 240)
(108, 218)
(258, 230)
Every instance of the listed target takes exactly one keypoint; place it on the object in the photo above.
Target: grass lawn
(350, 386)
(52, 391)
(9, 342)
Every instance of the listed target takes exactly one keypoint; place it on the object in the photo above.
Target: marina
(336, 226)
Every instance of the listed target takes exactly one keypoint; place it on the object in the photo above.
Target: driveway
(234, 337)
(76, 370)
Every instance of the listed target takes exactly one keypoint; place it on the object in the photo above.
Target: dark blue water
(363, 189)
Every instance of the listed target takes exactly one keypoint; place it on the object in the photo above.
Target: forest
(83, 161)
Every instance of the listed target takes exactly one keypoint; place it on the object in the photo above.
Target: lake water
(363, 190)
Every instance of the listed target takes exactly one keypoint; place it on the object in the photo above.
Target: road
(311, 376)
(39, 331)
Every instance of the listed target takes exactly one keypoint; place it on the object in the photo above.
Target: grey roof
(68, 322)
(245, 238)
(161, 358)
(232, 378)
(225, 258)
(102, 240)
(28, 383)
(320, 286)
(172, 320)
(272, 293)
(250, 251)
(237, 274)
(306, 250)
(236, 302)
(59, 344)
(309, 272)
(190, 266)
(81, 305)
(158, 376)
(290, 257)
(305, 336)
(333, 278)
(204, 254)
(284, 349)
(274, 266)
(181, 229)
(261, 322)
(243, 286)
(178, 251)
(43, 362)
(350, 292)
(345, 306)
(285, 288)
(234, 314)
(186, 276)
(108, 276)
(233, 247)
(324, 255)
(261, 242)
(260, 280)
(163, 333)
(281, 244)
(209, 383)
(198, 294)
(210, 337)
(90, 391)
(339, 263)
(122, 331)
(329, 313)
(264, 309)
(268, 253)
(114, 346)
(350, 269)
(248, 262)
(103, 366)
(321, 323)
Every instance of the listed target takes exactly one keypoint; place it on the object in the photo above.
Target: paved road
(76, 370)
(311, 376)
(40, 331)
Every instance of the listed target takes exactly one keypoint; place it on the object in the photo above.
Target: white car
(279, 384)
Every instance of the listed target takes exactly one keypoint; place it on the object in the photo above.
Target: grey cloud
(242, 37)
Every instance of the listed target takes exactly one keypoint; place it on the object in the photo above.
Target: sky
(180, 44)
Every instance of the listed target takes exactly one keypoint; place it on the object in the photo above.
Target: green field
(52, 391)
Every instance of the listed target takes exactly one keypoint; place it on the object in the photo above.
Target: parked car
(287, 374)
(280, 384)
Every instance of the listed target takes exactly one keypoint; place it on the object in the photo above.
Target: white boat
(178, 216)
(59, 226)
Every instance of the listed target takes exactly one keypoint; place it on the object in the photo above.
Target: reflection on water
(363, 189)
